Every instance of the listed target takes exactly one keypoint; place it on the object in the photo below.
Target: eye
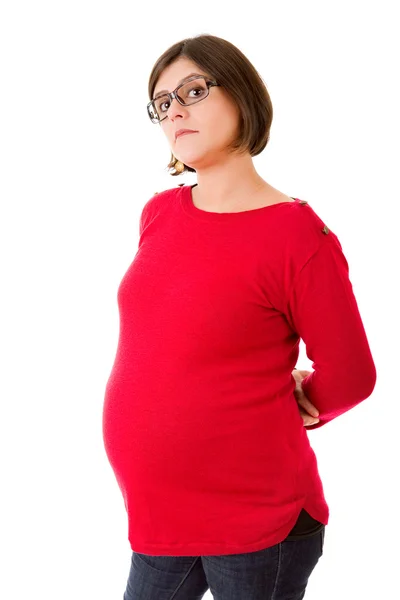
(162, 104)
(198, 89)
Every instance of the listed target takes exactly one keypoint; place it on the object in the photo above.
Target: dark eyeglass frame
(174, 94)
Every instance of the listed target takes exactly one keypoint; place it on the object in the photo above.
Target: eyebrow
(161, 92)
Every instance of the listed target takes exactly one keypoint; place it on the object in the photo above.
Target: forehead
(175, 74)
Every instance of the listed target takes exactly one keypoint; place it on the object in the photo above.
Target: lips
(183, 132)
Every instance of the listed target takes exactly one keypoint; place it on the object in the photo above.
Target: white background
(79, 159)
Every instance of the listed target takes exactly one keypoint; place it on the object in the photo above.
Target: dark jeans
(279, 572)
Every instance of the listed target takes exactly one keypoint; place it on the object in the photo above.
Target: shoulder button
(303, 202)
(325, 230)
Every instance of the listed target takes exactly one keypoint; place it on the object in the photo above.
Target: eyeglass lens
(190, 93)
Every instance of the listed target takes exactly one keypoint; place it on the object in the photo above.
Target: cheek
(169, 134)
(216, 123)
(225, 119)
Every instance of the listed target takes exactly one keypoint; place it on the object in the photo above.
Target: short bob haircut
(225, 63)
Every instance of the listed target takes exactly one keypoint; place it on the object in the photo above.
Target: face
(215, 119)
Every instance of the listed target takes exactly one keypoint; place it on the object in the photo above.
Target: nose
(175, 108)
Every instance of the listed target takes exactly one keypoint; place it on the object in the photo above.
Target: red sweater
(200, 423)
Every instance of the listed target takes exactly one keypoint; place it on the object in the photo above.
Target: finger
(307, 419)
(308, 406)
(303, 372)
(305, 402)
(310, 421)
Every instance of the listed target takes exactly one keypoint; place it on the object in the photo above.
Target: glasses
(157, 107)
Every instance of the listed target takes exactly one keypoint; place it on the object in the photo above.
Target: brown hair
(225, 63)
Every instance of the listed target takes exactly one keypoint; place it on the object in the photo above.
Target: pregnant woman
(205, 418)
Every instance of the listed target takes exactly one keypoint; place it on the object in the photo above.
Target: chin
(190, 161)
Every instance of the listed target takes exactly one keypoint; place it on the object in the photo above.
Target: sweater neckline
(186, 201)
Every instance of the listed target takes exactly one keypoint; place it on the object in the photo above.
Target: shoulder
(306, 231)
(298, 215)
(160, 198)
(308, 218)
(156, 205)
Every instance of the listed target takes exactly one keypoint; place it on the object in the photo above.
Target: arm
(323, 310)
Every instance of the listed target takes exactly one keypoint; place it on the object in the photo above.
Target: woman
(201, 424)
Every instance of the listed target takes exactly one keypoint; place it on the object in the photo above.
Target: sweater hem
(213, 549)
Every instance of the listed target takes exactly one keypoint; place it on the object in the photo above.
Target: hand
(307, 410)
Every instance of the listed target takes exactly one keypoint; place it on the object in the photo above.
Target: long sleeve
(323, 310)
